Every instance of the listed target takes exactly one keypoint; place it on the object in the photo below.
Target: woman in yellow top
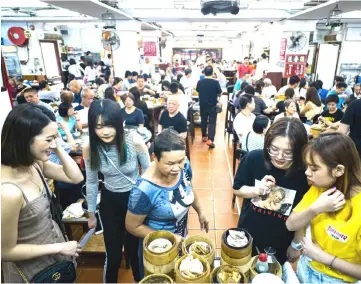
(313, 105)
(333, 208)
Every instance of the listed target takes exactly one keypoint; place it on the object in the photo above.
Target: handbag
(62, 271)
(59, 272)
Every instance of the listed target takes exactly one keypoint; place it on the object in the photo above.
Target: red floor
(213, 183)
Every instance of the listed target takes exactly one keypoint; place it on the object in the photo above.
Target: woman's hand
(267, 183)
(315, 252)
(331, 200)
(179, 239)
(203, 222)
(71, 248)
(92, 221)
(293, 254)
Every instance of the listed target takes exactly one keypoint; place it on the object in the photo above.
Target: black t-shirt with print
(332, 117)
(264, 219)
(178, 122)
(352, 117)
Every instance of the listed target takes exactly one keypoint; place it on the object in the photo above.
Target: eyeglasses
(274, 152)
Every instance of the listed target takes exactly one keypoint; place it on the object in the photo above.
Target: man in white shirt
(108, 60)
(31, 96)
(262, 67)
(292, 83)
(243, 122)
(148, 67)
(187, 83)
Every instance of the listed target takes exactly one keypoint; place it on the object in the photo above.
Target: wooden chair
(190, 123)
(238, 154)
(230, 114)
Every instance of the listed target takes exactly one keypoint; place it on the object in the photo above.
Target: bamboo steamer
(239, 257)
(315, 131)
(204, 278)
(150, 277)
(209, 257)
(163, 263)
(213, 277)
(243, 267)
(252, 269)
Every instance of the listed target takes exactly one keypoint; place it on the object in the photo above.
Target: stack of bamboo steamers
(165, 262)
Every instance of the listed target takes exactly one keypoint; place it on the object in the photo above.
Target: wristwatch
(296, 246)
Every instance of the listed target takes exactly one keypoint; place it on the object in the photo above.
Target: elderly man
(75, 87)
(356, 92)
(31, 96)
(172, 117)
(87, 97)
(143, 89)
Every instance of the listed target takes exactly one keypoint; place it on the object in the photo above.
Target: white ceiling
(182, 18)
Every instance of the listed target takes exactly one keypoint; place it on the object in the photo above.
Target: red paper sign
(295, 65)
(283, 49)
(150, 48)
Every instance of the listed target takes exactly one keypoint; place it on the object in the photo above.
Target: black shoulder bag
(62, 271)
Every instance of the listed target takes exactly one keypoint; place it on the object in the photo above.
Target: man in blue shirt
(340, 90)
(237, 87)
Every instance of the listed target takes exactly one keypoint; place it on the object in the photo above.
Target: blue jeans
(307, 274)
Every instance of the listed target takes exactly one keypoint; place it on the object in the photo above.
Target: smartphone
(99, 228)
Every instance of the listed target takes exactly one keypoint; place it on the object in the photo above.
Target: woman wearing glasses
(272, 181)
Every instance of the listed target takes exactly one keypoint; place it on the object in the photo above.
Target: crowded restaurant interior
(180, 141)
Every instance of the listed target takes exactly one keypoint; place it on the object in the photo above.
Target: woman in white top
(313, 105)
(255, 139)
(290, 110)
(268, 90)
(89, 72)
(303, 88)
(75, 69)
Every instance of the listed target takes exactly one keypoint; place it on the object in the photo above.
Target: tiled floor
(212, 181)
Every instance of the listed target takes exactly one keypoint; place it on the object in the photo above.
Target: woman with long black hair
(116, 155)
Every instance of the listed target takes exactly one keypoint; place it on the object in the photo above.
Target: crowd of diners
(289, 182)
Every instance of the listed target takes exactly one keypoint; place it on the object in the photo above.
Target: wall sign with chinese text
(283, 49)
(295, 64)
(150, 48)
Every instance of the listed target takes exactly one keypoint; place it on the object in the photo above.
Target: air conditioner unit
(220, 6)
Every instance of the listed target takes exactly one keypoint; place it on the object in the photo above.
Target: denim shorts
(307, 274)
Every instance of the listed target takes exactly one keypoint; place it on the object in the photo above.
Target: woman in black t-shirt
(272, 181)
(131, 115)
